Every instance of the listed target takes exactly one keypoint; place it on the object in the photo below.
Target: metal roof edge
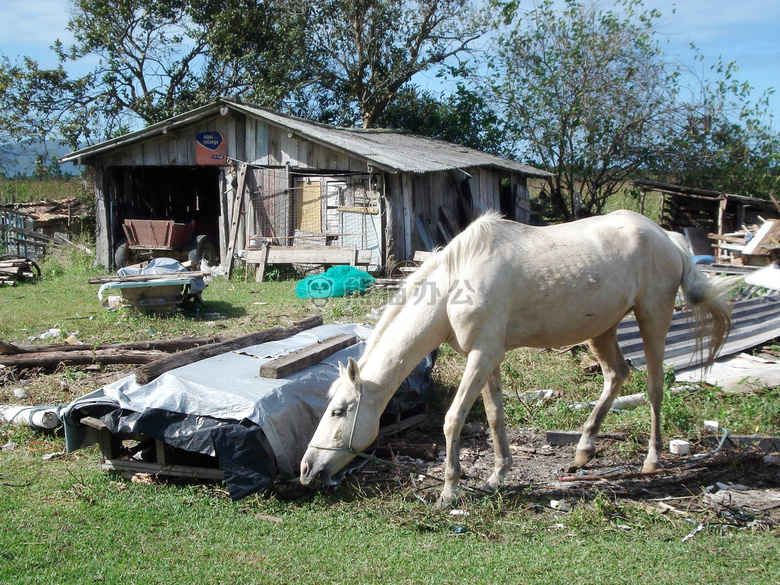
(304, 128)
(147, 132)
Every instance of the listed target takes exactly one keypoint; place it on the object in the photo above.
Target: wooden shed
(242, 176)
(700, 212)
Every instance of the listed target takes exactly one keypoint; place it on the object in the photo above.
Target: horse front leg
(478, 368)
(494, 409)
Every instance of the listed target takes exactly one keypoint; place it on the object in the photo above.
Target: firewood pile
(13, 270)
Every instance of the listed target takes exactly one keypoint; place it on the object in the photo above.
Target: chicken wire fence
(318, 212)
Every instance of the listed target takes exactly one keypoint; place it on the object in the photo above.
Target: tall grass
(22, 190)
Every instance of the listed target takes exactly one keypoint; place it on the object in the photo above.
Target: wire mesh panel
(317, 211)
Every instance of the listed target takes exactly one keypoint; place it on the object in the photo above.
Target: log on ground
(52, 359)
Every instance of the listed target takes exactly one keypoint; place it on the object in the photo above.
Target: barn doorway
(176, 195)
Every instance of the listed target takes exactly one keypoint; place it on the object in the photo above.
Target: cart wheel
(202, 248)
(122, 254)
(404, 268)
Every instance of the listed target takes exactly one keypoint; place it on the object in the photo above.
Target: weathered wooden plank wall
(279, 150)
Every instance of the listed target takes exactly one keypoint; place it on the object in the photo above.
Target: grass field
(65, 521)
(31, 189)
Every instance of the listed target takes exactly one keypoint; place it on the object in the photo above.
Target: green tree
(372, 48)
(724, 140)
(587, 94)
(37, 107)
(464, 117)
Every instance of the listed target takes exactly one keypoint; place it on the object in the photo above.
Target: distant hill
(19, 160)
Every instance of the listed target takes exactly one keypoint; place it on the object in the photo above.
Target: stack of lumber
(17, 269)
(183, 276)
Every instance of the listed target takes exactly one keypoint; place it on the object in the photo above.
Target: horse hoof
(445, 501)
(650, 467)
(582, 457)
(492, 485)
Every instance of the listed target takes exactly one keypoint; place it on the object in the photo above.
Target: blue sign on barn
(210, 148)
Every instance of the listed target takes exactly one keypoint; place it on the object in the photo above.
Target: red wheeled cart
(154, 238)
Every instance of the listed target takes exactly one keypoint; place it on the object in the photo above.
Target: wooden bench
(327, 255)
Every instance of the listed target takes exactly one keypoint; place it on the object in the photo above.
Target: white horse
(500, 285)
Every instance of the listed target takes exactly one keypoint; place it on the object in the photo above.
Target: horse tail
(708, 300)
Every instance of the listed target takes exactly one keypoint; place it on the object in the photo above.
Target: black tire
(203, 248)
(122, 254)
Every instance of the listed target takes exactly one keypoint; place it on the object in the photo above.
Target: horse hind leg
(615, 371)
(494, 409)
(654, 326)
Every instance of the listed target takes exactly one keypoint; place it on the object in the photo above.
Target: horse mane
(473, 239)
(460, 249)
(397, 303)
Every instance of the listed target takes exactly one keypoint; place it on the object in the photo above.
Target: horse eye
(337, 412)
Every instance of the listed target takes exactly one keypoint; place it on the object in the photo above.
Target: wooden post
(305, 357)
(261, 265)
(235, 218)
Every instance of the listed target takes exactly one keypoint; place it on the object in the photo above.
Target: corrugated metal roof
(387, 149)
(151, 131)
(46, 212)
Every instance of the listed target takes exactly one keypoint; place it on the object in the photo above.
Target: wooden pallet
(140, 453)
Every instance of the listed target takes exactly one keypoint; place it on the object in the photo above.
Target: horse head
(349, 425)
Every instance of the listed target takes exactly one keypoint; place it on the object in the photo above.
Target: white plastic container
(679, 447)
(711, 426)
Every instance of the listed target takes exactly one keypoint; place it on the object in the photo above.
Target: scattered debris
(51, 333)
(679, 447)
(141, 478)
(268, 518)
(694, 532)
(561, 505)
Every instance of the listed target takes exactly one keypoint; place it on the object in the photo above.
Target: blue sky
(747, 32)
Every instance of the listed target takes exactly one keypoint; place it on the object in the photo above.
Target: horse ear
(353, 371)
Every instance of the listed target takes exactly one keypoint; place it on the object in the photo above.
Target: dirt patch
(742, 483)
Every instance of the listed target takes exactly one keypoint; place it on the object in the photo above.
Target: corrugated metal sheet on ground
(754, 321)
